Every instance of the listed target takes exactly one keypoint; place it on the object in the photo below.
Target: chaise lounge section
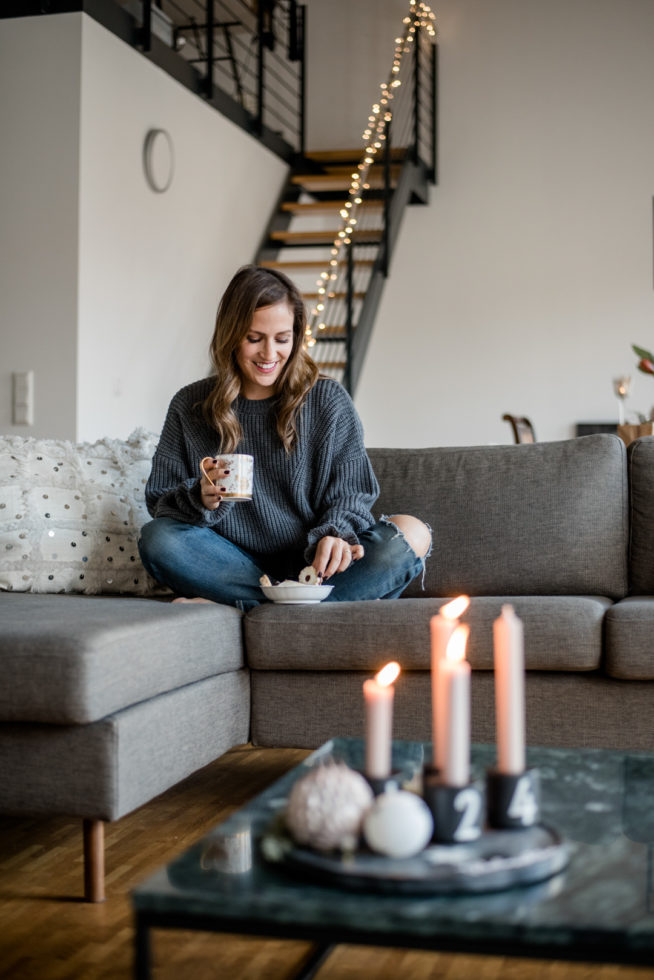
(106, 703)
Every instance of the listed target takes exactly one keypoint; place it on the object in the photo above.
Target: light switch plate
(23, 398)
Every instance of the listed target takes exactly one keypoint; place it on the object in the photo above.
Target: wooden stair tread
(332, 365)
(346, 169)
(308, 263)
(333, 182)
(347, 156)
(328, 207)
(323, 237)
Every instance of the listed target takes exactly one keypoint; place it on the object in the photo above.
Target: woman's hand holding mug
(230, 475)
(211, 484)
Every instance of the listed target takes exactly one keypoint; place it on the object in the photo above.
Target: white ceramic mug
(239, 481)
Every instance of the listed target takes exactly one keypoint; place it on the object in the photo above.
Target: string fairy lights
(419, 17)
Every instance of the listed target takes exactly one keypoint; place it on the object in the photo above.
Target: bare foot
(192, 600)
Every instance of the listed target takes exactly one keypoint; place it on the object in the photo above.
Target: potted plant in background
(646, 362)
(645, 425)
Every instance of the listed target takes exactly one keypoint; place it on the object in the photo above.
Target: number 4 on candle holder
(513, 801)
(524, 805)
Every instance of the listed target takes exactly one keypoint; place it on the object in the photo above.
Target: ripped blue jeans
(196, 561)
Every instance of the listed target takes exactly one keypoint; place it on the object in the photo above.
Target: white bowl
(296, 594)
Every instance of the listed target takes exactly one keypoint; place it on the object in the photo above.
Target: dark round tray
(499, 859)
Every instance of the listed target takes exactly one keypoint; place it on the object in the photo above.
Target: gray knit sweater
(325, 486)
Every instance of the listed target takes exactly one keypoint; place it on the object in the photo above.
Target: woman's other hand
(211, 489)
(335, 555)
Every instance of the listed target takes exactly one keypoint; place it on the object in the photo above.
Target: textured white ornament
(399, 824)
(326, 807)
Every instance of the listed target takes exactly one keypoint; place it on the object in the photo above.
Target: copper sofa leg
(94, 860)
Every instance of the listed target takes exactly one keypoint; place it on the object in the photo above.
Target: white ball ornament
(325, 808)
(399, 824)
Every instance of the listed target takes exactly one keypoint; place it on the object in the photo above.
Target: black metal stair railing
(395, 169)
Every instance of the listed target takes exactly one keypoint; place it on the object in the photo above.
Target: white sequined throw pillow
(70, 514)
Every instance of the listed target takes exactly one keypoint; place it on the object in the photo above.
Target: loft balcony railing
(246, 58)
(253, 53)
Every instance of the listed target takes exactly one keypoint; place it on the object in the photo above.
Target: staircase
(300, 237)
(342, 291)
(336, 222)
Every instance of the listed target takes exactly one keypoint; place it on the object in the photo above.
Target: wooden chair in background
(523, 430)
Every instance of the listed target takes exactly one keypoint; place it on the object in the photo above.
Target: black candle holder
(513, 800)
(458, 811)
(382, 784)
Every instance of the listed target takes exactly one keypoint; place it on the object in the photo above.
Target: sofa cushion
(562, 633)
(641, 493)
(543, 519)
(629, 639)
(75, 659)
(70, 514)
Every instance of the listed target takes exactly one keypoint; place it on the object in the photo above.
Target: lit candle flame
(455, 608)
(388, 674)
(456, 648)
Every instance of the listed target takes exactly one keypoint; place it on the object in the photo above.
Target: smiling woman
(313, 483)
(265, 349)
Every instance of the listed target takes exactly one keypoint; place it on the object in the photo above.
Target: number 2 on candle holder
(468, 803)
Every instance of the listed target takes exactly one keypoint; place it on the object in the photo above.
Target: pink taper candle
(452, 748)
(378, 699)
(509, 692)
(441, 628)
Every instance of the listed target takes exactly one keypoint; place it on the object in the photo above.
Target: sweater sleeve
(173, 487)
(351, 487)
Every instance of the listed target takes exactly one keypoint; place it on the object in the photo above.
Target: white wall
(153, 266)
(39, 175)
(350, 45)
(108, 291)
(523, 284)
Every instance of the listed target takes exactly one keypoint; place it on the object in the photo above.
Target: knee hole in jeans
(416, 533)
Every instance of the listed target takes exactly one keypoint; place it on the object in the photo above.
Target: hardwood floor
(48, 933)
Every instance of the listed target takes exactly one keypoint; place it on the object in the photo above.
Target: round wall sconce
(158, 160)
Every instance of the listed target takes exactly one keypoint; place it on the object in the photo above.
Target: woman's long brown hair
(250, 289)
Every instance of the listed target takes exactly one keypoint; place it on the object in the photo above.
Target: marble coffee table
(600, 908)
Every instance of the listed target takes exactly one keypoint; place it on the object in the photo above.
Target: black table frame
(594, 948)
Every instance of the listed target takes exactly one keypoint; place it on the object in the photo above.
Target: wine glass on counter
(621, 388)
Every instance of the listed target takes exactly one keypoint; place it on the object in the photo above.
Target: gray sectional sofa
(106, 701)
